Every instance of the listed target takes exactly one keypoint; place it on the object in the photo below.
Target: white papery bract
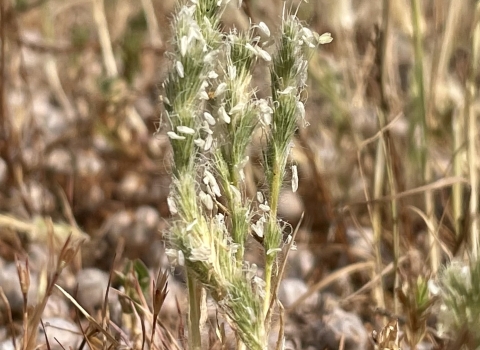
(264, 28)
(175, 136)
(185, 130)
(294, 178)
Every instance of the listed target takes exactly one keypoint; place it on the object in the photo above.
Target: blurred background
(386, 166)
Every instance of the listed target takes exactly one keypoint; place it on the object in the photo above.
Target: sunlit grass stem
(472, 122)
(379, 180)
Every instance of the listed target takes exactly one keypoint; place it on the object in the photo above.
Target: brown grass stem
(458, 133)
(378, 183)
(104, 38)
(152, 23)
(110, 65)
(472, 120)
(394, 209)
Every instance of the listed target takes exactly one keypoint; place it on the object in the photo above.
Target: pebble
(61, 334)
(133, 186)
(293, 288)
(361, 240)
(37, 257)
(300, 263)
(140, 231)
(89, 163)
(329, 331)
(60, 161)
(11, 287)
(92, 284)
(40, 198)
(56, 307)
(8, 344)
(290, 207)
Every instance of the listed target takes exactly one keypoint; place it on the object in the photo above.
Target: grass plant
(213, 113)
(460, 308)
(417, 70)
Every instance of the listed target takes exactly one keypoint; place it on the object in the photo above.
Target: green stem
(424, 122)
(272, 227)
(395, 221)
(194, 314)
(236, 235)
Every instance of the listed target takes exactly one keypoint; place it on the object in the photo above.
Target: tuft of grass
(459, 290)
(417, 303)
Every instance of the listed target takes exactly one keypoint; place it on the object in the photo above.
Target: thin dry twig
(436, 185)
(362, 266)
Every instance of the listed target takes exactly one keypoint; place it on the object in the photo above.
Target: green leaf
(142, 275)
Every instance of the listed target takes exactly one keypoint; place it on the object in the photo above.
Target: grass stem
(194, 313)
(435, 257)
(472, 120)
